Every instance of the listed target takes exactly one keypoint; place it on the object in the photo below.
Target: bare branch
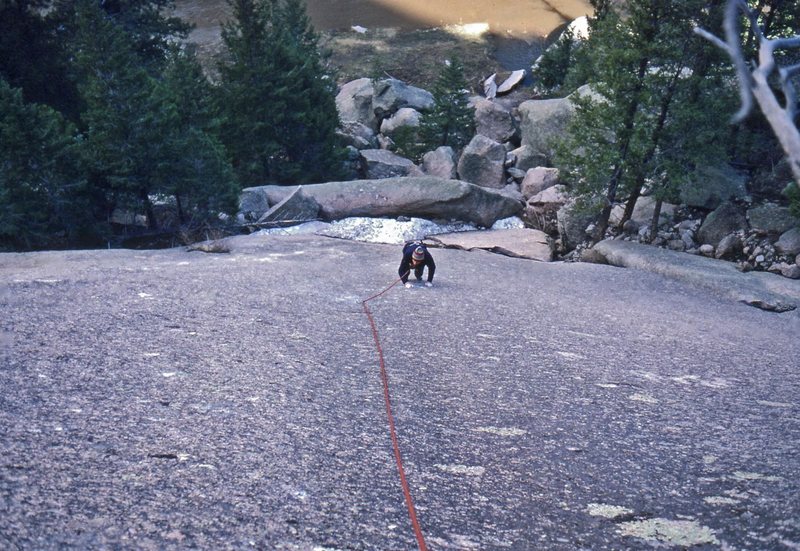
(755, 84)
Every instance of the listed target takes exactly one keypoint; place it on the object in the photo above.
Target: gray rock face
(541, 120)
(423, 197)
(354, 103)
(789, 242)
(392, 94)
(519, 242)
(253, 204)
(440, 163)
(405, 116)
(380, 163)
(729, 247)
(771, 218)
(572, 224)
(294, 209)
(726, 219)
(527, 158)
(358, 135)
(712, 186)
(494, 121)
(482, 163)
(537, 180)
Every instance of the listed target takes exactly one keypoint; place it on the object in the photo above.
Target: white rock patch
(675, 532)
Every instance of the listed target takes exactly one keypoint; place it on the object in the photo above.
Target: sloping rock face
(423, 197)
(518, 242)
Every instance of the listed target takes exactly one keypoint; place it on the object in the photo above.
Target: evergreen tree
(42, 191)
(653, 118)
(278, 103)
(452, 120)
(141, 145)
(32, 58)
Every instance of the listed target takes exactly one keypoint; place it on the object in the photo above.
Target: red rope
(395, 444)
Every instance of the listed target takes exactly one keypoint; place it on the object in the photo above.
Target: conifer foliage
(277, 101)
(452, 120)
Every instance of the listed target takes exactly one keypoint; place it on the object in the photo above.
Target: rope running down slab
(395, 444)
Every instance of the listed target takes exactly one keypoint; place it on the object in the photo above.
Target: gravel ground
(174, 399)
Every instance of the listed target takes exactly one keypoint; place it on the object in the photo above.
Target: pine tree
(646, 67)
(42, 190)
(278, 103)
(140, 144)
(452, 120)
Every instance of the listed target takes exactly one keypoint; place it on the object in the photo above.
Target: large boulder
(380, 163)
(789, 242)
(724, 220)
(712, 186)
(357, 135)
(483, 163)
(541, 210)
(525, 158)
(405, 116)
(354, 103)
(643, 212)
(494, 121)
(392, 94)
(517, 242)
(537, 180)
(440, 162)
(422, 197)
(543, 120)
(573, 221)
(771, 218)
(295, 208)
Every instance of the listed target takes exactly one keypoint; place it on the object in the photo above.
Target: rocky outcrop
(381, 163)
(494, 121)
(541, 120)
(537, 180)
(423, 197)
(726, 219)
(354, 103)
(389, 95)
(440, 162)
(295, 208)
(712, 186)
(520, 242)
(483, 163)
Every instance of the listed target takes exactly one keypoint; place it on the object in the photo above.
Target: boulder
(771, 218)
(358, 135)
(573, 222)
(789, 242)
(440, 163)
(543, 120)
(295, 208)
(526, 158)
(405, 116)
(541, 210)
(537, 180)
(392, 94)
(422, 197)
(711, 186)
(510, 82)
(381, 163)
(253, 204)
(725, 219)
(729, 248)
(354, 103)
(643, 212)
(518, 242)
(482, 163)
(494, 121)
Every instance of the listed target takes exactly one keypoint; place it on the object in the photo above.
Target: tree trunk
(654, 220)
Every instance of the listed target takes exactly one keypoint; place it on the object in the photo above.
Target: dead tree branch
(754, 85)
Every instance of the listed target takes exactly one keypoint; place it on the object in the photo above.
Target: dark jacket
(405, 263)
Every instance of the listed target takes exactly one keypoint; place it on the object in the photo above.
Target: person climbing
(416, 257)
